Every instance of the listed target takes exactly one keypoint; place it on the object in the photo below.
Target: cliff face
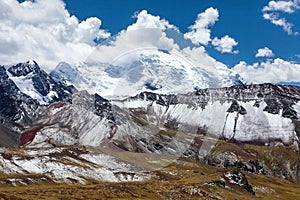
(256, 113)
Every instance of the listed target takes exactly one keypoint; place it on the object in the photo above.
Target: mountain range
(144, 121)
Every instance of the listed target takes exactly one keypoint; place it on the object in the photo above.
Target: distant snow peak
(147, 69)
(65, 72)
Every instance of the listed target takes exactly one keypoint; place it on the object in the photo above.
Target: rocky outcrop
(233, 179)
(238, 178)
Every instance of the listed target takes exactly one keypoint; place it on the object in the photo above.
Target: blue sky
(242, 20)
(259, 39)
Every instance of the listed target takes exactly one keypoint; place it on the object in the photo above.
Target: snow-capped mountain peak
(29, 79)
(162, 71)
(23, 69)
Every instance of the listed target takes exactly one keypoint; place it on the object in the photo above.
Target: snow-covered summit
(162, 71)
(29, 79)
(23, 69)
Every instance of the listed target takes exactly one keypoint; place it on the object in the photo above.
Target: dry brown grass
(183, 179)
(177, 181)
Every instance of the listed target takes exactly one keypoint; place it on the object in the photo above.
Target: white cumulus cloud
(45, 31)
(264, 52)
(146, 20)
(284, 6)
(199, 32)
(269, 72)
(147, 32)
(225, 44)
(271, 12)
(278, 21)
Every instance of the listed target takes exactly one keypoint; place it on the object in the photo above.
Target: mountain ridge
(268, 101)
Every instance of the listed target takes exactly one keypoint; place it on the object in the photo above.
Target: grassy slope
(177, 181)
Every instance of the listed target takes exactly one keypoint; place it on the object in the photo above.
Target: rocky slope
(66, 165)
(23, 88)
